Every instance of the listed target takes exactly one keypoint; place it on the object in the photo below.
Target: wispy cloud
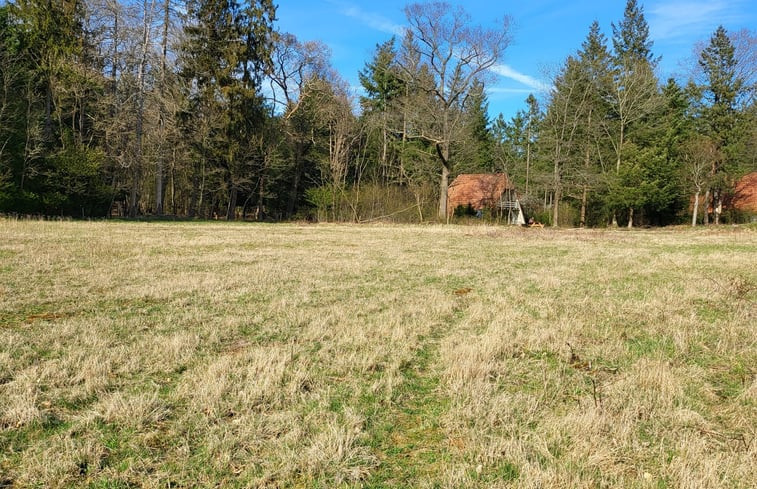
(373, 20)
(532, 83)
(506, 90)
(676, 19)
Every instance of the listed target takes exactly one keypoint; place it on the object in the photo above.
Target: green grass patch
(246, 355)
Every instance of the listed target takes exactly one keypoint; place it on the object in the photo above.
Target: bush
(464, 211)
(372, 202)
(322, 198)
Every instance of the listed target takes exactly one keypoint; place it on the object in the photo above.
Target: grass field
(319, 356)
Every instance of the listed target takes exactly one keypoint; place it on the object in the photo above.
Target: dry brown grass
(215, 354)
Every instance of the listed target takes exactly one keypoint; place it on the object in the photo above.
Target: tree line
(614, 144)
(203, 108)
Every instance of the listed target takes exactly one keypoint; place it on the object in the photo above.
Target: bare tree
(634, 95)
(454, 54)
(164, 114)
(329, 103)
(569, 105)
(699, 156)
(294, 64)
(126, 35)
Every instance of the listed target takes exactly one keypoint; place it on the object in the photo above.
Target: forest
(205, 109)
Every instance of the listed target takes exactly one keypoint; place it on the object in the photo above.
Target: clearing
(317, 356)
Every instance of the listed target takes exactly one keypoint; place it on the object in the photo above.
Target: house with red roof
(485, 191)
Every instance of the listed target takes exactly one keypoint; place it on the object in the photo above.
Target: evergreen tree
(510, 137)
(633, 97)
(476, 152)
(674, 130)
(59, 169)
(719, 114)
(723, 86)
(380, 79)
(630, 38)
(533, 117)
(568, 108)
(226, 49)
(383, 87)
(517, 149)
(597, 65)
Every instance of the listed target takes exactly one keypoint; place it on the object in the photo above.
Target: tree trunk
(587, 165)
(260, 213)
(134, 195)
(557, 190)
(194, 196)
(705, 213)
(231, 210)
(29, 134)
(48, 134)
(696, 208)
(620, 147)
(418, 203)
(630, 218)
(384, 147)
(137, 164)
(211, 211)
(292, 204)
(584, 196)
(717, 205)
(404, 134)
(443, 151)
(159, 187)
(443, 185)
(617, 167)
(172, 180)
(528, 157)
(162, 122)
(556, 206)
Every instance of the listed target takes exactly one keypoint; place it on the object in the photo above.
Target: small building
(481, 191)
(745, 194)
(742, 198)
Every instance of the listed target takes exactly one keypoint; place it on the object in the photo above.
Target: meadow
(318, 356)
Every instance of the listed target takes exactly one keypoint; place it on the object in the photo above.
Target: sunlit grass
(241, 355)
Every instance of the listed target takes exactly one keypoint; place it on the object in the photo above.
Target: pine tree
(510, 139)
(226, 50)
(380, 79)
(568, 109)
(597, 65)
(383, 87)
(630, 38)
(60, 168)
(533, 117)
(633, 98)
(673, 130)
(719, 111)
(476, 152)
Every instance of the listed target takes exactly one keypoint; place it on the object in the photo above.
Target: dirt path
(408, 436)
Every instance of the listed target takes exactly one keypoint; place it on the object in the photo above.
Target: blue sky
(545, 32)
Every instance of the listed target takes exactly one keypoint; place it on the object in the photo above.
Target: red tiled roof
(745, 193)
(480, 190)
